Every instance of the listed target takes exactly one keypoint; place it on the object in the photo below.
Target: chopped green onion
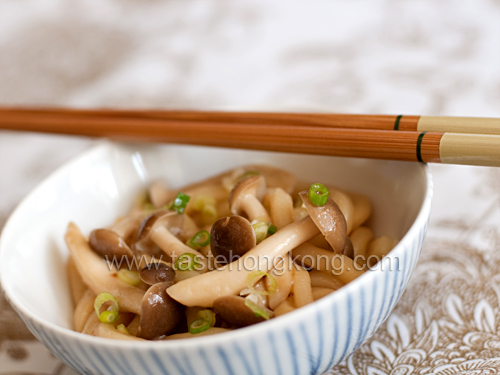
(198, 326)
(186, 262)
(110, 315)
(260, 228)
(129, 277)
(318, 194)
(180, 202)
(207, 315)
(271, 230)
(200, 239)
(123, 329)
(255, 276)
(256, 309)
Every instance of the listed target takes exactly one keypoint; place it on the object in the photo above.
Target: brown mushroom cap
(231, 237)
(157, 272)
(253, 185)
(107, 243)
(170, 219)
(160, 314)
(329, 220)
(234, 312)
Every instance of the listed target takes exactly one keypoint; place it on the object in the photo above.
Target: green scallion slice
(110, 315)
(198, 326)
(318, 194)
(271, 230)
(255, 276)
(180, 202)
(200, 239)
(260, 228)
(121, 328)
(186, 262)
(256, 309)
(129, 277)
(207, 315)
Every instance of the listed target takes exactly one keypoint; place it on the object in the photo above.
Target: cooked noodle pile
(236, 249)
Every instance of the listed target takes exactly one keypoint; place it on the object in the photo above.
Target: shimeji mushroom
(144, 243)
(246, 197)
(110, 245)
(230, 238)
(160, 314)
(234, 312)
(330, 221)
(127, 227)
(98, 276)
(158, 230)
(157, 272)
(204, 289)
(275, 177)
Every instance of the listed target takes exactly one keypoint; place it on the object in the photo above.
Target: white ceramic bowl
(96, 187)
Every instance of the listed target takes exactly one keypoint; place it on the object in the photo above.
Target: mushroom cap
(160, 314)
(233, 311)
(329, 220)
(253, 185)
(107, 243)
(156, 272)
(170, 219)
(231, 237)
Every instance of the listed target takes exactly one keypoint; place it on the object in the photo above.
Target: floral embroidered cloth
(425, 57)
(448, 319)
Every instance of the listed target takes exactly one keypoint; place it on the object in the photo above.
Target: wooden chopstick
(442, 124)
(192, 128)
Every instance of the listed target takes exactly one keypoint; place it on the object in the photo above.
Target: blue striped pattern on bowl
(335, 327)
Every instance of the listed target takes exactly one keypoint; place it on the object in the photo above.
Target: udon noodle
(236, 249)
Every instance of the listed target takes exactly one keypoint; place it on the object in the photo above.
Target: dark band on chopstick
(419, 146)
(396, 124)
(365, 136)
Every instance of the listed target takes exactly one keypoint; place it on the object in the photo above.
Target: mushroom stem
(254, 209)
(203, 290)
(96, 274)
(173, 247)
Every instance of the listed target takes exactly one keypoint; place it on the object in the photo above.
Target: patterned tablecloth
(413, 57)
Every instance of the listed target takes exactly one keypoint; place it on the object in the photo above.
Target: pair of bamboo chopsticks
(451, 140)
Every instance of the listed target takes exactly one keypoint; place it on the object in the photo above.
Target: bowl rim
(254, 330)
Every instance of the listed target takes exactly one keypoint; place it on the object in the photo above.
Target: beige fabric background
(413, 57)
